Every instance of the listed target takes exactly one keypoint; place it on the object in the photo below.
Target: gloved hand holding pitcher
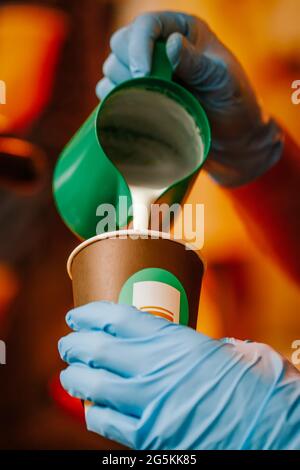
(174, 100)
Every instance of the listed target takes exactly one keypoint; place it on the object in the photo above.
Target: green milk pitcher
(147, 132)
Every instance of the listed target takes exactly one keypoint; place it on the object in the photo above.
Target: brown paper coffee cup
(149, 270)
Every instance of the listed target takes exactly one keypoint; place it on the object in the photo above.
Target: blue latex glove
(245, 144)
(158, 385)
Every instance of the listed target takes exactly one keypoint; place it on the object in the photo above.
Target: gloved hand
(158, 385)
(245, 144)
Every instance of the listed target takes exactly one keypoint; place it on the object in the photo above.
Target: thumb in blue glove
(158, 385)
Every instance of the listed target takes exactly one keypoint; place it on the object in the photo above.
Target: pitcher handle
(161, 66)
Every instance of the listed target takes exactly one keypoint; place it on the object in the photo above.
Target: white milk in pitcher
(153, 141)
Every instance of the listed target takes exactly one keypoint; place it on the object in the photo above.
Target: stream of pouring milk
(153, 141)
(142, 199)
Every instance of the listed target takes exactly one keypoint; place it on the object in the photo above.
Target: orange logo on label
(157, 298)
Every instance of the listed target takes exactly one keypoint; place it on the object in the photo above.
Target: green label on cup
(159, 292)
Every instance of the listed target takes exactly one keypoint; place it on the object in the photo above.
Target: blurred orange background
(50, 58)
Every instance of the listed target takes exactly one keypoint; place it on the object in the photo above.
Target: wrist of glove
(158, 385)
(235, 163)
(244, 144)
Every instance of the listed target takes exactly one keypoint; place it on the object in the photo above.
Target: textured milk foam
(153, 141)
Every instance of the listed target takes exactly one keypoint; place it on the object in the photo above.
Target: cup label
(158, 292)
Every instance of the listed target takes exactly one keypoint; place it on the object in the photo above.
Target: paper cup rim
(118, 233)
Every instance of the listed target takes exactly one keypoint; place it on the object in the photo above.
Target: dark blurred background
(51, 55)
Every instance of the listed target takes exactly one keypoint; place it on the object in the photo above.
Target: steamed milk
(153, 141)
